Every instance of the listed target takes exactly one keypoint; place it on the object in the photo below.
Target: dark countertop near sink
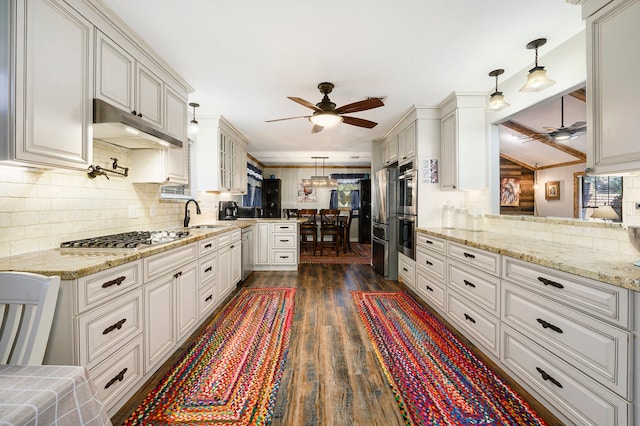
(75, 263)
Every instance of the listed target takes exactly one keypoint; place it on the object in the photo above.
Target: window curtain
(347, 182)
(253, 197)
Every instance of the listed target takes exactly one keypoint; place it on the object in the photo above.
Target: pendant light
(323, 181)
(194, 128)
(537, 79)
(497, 102)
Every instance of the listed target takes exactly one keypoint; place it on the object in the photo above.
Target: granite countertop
(615, 269)
(72, 263)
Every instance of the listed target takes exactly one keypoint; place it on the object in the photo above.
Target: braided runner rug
(436, 380)
(232, 373)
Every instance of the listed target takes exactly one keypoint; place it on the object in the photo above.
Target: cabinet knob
(134, 112)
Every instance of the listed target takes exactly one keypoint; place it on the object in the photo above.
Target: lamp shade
(497, 102)
(537, 80)
(605, 212)
(320, 181)
(325, 119)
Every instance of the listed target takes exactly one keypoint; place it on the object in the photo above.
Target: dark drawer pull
(284, 227)
(469, 255)
(546, 376)
(429, 288)
(549, 325)
(232, 246)
(209, 269)
(469, 283)
(546, 281)
(284, 241)
(405, 269)
(284, 257)
(208, 245)
(468, 318)
(428, 263)
(209, 297)
(115, 326)
(177, 274)
(116, 281)
(119, 377)
(429, 242)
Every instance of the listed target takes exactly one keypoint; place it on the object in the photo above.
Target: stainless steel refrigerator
(384, 230)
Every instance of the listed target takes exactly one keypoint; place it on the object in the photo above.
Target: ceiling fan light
(537, 80)
(325, 119)
(497, 102)
(562, 135)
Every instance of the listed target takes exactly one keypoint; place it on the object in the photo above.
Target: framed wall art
(552, 190)
(509, 192)
(306, 194)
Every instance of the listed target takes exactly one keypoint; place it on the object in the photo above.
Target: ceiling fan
(562, 133)
(325, 113)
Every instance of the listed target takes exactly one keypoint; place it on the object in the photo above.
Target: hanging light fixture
(325, 119)
(537, 79)
(317, 181)
(496, 102)
(194, 128)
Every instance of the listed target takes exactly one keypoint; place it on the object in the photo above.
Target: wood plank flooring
(332, 375)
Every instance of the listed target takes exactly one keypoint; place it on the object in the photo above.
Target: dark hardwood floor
(332, 375)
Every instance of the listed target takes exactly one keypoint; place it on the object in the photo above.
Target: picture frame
(552, 190)
(509, 192)
(306, 193)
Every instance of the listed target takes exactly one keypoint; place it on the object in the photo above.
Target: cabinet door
(407, 143)
(159, 331)
(240, 168)
(149, 96)
(262, 244)
(186, 298)
(612, 75)
(54, 85)
(449, 167)
(115, 73)
(224, 271)
(175, 120)
(236, 263)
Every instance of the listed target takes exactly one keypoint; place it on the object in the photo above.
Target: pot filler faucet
(187, 218)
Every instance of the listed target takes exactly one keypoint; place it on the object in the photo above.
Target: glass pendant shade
(320, 181)
(194, 127)
(325, 119)
(537, 80)
(497, 102)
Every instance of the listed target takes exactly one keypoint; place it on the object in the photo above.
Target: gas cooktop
(136, 239)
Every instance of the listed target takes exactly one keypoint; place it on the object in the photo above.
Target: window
(598, 191)
(348, 192)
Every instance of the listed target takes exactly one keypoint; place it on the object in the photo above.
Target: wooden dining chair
(329, 227)
(346, 215)
(27, 304)
(309, 229)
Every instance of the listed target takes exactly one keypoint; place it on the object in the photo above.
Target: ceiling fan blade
(551, 129)
(316, 128)
(577, 125)
(304, 103)
(360, 106)
(360, 122)
(288, 118)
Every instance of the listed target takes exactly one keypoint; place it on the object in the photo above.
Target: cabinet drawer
(285, 227)
(118, 373)
(485, 261)
(608, 302)
(575, 395)
(431, 262)
(207, 246)
(483, 289)
(280, 240)
(284, 257)
(208, 268)
(473, 321)
(432, 290)
(407, 270)
(429, 242)
(103, 330)
(598, 349)
(208, 298)
(161, 264)
(106, 285)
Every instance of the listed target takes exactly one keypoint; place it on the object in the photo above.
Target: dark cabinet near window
(271, 198)
(364, 215)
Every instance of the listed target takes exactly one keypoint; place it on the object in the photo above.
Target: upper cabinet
(48, 118)
(463, 142)
(390, 151)
(612, 84)
(407, 143)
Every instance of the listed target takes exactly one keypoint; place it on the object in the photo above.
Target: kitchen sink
(208, 226)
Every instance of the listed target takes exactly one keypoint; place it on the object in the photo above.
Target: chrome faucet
(187, 218)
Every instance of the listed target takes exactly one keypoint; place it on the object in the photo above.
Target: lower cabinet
(276, 246)
(407, 270)
(229, 262)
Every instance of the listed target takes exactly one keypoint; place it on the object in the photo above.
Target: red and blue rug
(436, 379)
(232, 373)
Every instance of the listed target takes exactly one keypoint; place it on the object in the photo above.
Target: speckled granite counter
(612, 268)
(75, 263)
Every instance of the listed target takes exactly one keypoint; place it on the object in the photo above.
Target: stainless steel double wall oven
(407, 208)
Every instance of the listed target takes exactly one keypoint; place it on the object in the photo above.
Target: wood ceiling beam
(544, 139)
(568, 163)
(518, 162)
(580, 94)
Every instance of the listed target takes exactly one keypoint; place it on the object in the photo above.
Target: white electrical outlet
(133, 212)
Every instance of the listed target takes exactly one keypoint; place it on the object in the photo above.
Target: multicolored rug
(436, 379)
(359, 254)
(232, 373)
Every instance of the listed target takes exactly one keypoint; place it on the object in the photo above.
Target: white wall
(564, 206)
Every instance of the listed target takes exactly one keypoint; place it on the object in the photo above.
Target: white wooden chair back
(27, 304)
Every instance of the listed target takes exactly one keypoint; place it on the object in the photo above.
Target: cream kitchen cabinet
(407, 143)
(390, 151)
(47, 86)
(430, 271)
(463, 142)
(276, 245)
(612, 75)
(165, 166)
(229, 262)
(407, 270)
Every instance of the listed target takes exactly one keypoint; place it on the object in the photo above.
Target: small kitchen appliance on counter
(249, 212)
(228, 210)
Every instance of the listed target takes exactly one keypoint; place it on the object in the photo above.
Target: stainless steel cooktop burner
(136, 239)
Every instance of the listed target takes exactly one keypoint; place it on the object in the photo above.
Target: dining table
(49, 395)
